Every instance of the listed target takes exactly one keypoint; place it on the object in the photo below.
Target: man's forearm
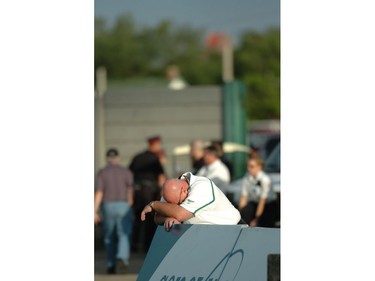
(161, 180)
(243, 202)
(97, 200)
(130, 195)
(159, 219)
(169, 210)
(260, 208)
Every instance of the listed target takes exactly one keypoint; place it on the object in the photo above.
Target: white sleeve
(226, 175)
(244, 184)
(266, 186)
(221, 177)
(222, 185)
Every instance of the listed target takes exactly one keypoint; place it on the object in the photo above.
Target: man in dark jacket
(148, 178)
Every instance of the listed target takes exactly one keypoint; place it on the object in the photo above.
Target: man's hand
(169, 222)
(254, 223)
(97, 201)
(97, 218)
(130, 202)
(146, 209)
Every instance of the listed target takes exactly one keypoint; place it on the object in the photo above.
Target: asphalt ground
(135, 263)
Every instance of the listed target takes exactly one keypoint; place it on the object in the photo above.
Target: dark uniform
(146, 168)
(197, 164)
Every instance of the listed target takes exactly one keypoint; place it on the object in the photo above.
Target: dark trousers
(144, 195)
(268, 217)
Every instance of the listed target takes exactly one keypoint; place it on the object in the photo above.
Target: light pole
(101, 88)
(223, 43)
(227, 58)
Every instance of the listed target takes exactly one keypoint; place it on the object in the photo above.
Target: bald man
(192, 200)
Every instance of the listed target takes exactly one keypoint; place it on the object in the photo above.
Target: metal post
(101, 87)
(227, 59)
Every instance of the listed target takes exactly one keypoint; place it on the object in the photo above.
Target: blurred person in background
(214, 169)
(219, 145)
(162, 157)
(176, 82)
(148, 179)
(114, 193)
(258, 200)
(196, 154)
(163, 161)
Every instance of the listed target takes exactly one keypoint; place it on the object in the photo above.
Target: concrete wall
(133, 114)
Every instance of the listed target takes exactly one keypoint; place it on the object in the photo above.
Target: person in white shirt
(258, 200)
(192, 200)
(214, 168)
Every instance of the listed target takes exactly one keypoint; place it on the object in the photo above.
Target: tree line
(131, 51)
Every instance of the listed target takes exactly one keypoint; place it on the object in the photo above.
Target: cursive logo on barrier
(216, 274)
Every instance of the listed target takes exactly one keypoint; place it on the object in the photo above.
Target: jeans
(117, 222)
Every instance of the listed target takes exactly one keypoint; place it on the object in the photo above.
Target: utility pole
(221, 42)
(101, 88)
(227, 58)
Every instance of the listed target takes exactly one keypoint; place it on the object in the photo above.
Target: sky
(230, 16)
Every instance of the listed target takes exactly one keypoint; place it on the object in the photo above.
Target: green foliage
(132, 52)
(118, 50)
(257, 63)
(128, 52)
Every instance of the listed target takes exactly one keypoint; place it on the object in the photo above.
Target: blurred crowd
(122, 192)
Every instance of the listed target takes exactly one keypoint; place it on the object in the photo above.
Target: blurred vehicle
(270, 145)
(264, 136)
(272, 167)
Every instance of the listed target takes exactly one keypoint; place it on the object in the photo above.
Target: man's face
(192, 152)
(208, 157)
(114, 160)
(155, 146)
(196, 153)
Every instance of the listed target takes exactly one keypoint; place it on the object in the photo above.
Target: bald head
(174, 191)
